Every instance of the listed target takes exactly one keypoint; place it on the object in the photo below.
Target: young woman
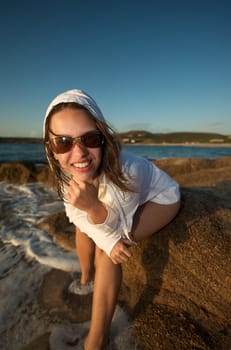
(114, 198)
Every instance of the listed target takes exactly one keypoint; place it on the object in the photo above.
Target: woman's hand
(84, 196)
(120, 252)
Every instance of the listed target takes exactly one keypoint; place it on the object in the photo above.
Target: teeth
(80, 165)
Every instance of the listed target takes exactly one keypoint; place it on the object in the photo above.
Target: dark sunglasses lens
(61, 144)
(93, 139)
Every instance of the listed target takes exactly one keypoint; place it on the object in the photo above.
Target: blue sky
(160, 66)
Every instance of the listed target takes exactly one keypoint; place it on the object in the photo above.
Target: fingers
(83, 184)
(82, 194)
(73, 192)
(74, 185)
(129, 243)
(120, 252)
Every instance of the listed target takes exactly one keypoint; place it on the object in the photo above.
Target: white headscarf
(79, 97)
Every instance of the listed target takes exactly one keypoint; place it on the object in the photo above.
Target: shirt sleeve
(149, 183)
(152, 183)
(105, 235)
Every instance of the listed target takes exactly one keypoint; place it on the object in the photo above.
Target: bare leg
(107, 283)
(151, 217)
(86, 252)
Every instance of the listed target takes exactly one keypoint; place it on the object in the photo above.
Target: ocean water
(22, 208)
(35, 152)
(160, 152)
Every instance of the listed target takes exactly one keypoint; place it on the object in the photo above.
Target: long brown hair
(111, 148)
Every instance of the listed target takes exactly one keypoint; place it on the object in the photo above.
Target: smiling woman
(82, 108)
(76, 158)
(110, 195)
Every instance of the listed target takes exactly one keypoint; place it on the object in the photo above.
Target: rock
(17, 172)
(62, 231)
(177, 284)
(44, 175)
(170, 329)
(25, 172)
(196, 171)
(187, 171)
(55, 297)
(40, 343)
(185, 268)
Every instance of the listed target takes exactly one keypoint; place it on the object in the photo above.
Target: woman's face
(81, 162)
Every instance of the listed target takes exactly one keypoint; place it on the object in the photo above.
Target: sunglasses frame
(74, 140)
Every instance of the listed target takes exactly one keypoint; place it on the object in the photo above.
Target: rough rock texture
(184, 269)
(55, 297)
(62, 231)
(197, 171)
(177, 284)
(24, 172)
(40, 343)
(187, 171)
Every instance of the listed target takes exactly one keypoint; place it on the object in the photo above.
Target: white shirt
(150, 184)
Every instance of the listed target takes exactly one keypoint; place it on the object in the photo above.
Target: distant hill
(20, 140)
(145, 137)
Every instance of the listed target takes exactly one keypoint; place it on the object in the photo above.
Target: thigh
(83, 242)
(107, 273)
(151, 217)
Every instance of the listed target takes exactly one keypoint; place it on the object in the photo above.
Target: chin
(82, 177)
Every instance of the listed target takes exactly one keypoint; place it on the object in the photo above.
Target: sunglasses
(62, 144)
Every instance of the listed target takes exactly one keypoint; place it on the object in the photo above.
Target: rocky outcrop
(196, 171)
(177, 284)
(25, 172)
(187, 171)
(184, 270)
(62, 231)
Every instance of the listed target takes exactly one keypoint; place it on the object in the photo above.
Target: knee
(101, 257)
(100, 254)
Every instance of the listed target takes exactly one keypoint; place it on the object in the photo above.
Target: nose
(79, 147)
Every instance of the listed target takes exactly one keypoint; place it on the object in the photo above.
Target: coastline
(18, 140)
(187, 144)
(35, 152)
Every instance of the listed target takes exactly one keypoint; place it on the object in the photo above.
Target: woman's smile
(81, 165)
(81, 162)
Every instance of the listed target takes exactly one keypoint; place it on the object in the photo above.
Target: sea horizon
(34, 152)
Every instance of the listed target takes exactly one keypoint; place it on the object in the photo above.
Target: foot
(81, 289)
